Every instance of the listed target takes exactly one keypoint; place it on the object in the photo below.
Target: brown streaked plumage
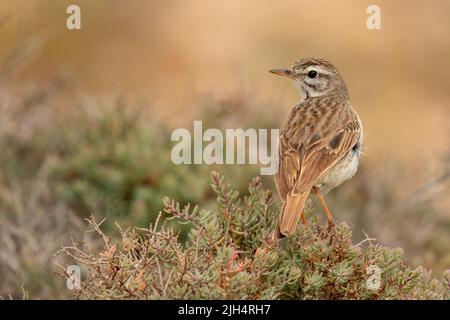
(320, 145)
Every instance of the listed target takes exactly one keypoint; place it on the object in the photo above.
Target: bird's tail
(290, 214)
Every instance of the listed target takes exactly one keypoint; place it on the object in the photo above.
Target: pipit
(320, 145)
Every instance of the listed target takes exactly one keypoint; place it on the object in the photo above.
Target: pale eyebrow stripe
(318, 69)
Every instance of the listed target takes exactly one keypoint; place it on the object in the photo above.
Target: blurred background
(86, 115)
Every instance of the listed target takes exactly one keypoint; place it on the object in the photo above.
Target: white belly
(340, 172)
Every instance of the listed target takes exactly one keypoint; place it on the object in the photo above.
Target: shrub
(229, 255)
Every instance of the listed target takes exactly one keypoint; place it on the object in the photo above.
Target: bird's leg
(324, 205)
(303, 219)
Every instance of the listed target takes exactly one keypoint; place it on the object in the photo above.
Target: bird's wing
(307, 149)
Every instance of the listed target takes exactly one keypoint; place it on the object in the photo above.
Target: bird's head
(315, 78)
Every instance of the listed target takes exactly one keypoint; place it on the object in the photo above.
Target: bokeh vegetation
(112, 159)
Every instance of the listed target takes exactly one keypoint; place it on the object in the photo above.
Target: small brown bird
(321, 143)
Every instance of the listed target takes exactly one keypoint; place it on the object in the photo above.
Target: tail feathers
(290, 215)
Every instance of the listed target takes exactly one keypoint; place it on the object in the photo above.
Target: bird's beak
(283, 72)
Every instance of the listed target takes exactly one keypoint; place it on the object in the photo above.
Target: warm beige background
(168, 51)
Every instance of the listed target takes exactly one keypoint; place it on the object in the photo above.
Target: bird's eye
(312, 74)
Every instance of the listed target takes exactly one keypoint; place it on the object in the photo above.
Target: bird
(319, 146)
